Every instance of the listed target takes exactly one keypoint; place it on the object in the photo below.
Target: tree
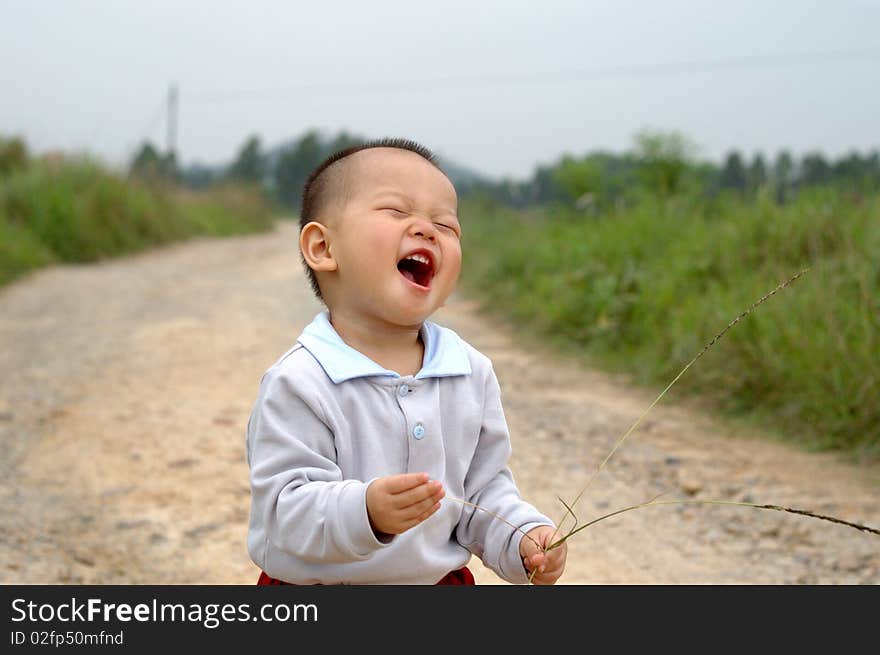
(198, 176)
(733, 174)
(295, 163)
(580, 178)
(814, 170)
(149, 164)
(872, 169)
(857, 171)
(544, 186)
(249, 164)
(783, 175)
(664, 158)
(757, 173)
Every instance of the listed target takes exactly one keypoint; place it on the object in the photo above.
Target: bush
(20, 251)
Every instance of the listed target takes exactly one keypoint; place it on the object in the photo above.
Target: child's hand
(549, 564)
(399, 502)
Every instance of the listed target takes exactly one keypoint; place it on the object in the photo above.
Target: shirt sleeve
(489, 484)
(300, 502)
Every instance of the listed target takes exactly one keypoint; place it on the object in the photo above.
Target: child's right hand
(399, 502)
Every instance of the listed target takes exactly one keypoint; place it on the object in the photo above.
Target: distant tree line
(661, 164)
(280, 172)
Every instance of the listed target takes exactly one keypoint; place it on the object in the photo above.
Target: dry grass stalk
(669, 386)
(778, 508)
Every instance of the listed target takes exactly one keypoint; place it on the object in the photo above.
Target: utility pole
(171, 123)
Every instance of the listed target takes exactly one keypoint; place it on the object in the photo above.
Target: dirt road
(126, 387)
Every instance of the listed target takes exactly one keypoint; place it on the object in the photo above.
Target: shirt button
(403, 390)
(418, 431)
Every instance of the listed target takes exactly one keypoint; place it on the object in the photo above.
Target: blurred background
(632, 175)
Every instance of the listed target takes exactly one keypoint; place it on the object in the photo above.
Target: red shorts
(462, 576)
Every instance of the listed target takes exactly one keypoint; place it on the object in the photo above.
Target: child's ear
(314, 243)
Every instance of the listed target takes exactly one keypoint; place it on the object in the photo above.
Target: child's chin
(411, 315)
(415, 310)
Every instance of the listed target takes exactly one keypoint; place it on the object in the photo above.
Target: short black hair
(323, 185)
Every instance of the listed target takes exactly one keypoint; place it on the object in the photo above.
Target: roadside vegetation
(640, 283)
(72, 209)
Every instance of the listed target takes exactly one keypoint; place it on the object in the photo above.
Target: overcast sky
(498, 85)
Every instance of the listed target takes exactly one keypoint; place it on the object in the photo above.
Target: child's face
(396, 241)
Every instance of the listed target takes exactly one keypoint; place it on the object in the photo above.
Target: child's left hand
(549, 564)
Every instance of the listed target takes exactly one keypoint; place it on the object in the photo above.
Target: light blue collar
(445, 354)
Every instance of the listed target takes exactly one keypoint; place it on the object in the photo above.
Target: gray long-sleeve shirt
(328, 420)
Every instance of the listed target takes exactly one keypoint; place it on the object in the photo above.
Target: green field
(641, 290)
(76, 211)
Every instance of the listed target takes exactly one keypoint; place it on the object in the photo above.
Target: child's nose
(424, 229)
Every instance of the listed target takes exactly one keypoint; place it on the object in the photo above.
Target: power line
(540, 78)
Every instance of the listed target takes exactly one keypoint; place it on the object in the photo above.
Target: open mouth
(417, 268)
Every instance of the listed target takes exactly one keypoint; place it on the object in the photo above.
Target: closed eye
(395, 210)
(452, 228)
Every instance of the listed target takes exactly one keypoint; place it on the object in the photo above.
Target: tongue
(408, 275)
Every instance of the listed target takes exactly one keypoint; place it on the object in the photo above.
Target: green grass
(78, 212)
(643, 290)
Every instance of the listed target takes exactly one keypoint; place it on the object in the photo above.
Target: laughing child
(376, 414)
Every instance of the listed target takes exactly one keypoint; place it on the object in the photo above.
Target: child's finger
(554, 567)
(396, 484)
(529, 545)
(536, 562)
(557, 556)
(423, 505)
(416, 495)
